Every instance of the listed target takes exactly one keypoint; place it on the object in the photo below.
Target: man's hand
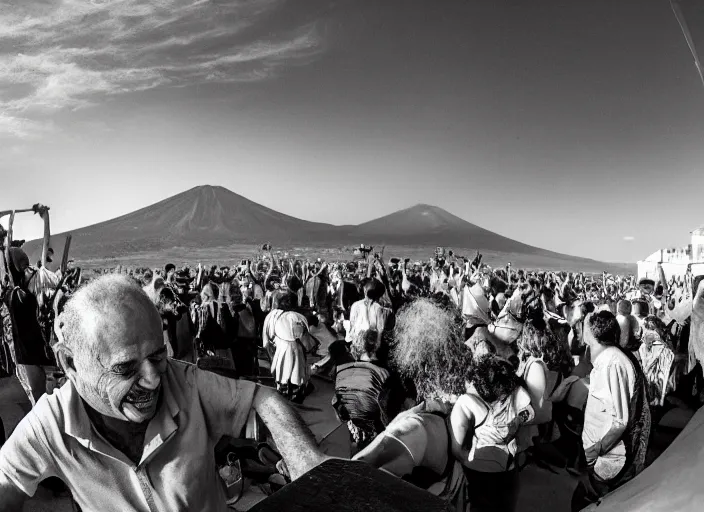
(40, 209)
(282, 469)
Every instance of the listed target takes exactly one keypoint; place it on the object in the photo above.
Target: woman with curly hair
(428, 350)
(485, 423)
(540, 360)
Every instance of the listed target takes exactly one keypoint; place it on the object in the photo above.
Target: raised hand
(40, 209)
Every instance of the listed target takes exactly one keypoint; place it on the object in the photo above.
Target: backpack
(495, 443)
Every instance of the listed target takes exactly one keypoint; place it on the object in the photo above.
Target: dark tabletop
(350, 486)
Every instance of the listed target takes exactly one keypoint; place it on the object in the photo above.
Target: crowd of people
(447, 373)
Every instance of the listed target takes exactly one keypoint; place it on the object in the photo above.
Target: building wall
(649, 269)
(697, 246)
(675, 260)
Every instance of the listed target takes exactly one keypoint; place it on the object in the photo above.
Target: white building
(676, 260)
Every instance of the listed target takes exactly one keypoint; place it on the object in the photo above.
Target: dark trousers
(584, 497)
(492, 492)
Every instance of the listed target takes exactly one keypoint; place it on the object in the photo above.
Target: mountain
(204, 216)
(424, 222)
(207, 217)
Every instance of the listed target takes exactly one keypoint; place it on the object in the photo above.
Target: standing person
(539, 357)
(170, 274)
(617, 416)
(630, 328)
(367, 314)
(485, 423)
(656, 357)
(244, 350)
(210, 337)
(286, 335)
(29, 345)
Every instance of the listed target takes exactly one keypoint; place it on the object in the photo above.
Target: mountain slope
(436, 226)
(428, 225)
(202, 216)
(209, 217)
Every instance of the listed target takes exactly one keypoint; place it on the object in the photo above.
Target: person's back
(357, 389)
(368, 314)
(421, 435)
(485, 422)
(495, 432)
(210, 332)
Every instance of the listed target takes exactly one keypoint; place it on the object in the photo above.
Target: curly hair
(605, 328)
(537, 341)
(366, 342)
(428, 348)
(494, 378)
(288, 302)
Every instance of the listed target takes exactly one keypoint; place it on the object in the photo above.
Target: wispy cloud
(629, 238)
(70, 54)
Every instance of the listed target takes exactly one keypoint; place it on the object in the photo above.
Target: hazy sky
(576, 126)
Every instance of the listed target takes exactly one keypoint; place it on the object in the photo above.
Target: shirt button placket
(146, 485)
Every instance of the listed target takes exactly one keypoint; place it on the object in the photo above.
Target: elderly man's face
(121, 376)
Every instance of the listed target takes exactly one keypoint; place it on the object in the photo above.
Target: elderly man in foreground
(133, 430)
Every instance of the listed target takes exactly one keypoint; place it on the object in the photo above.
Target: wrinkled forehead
(127, 327)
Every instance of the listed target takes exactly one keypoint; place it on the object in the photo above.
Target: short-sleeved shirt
(177, 471)
(611, 388)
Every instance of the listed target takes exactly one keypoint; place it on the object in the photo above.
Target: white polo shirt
(177, 471)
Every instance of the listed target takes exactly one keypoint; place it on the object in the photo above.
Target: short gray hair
(101, 297)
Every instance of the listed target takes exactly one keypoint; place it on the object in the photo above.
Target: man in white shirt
(367, 314)
(617, 416)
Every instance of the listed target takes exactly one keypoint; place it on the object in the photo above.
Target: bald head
(101, 307)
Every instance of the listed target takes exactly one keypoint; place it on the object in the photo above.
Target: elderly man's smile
(142, 402)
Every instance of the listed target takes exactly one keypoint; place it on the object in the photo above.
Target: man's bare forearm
(293, 438)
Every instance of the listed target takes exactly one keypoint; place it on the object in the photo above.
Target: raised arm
(322, 269)
(663, 281)
(43, 212)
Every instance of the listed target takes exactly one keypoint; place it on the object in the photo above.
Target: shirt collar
(601, 359)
